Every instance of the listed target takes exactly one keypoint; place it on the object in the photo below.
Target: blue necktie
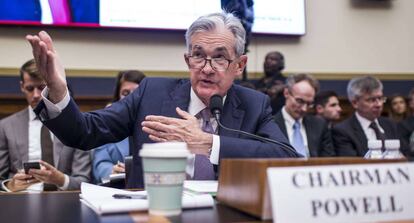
(298, 139)
(203, 169)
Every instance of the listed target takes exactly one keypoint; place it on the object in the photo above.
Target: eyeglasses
(301, 102)
(30, 88)
(372, 100)
(218, 63)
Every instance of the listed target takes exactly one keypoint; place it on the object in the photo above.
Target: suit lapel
(231, 116)
(312, 142)
(21, 135)
(388, 131)
(180, 97)
(359, 133)
(57, 150)
(281, 123)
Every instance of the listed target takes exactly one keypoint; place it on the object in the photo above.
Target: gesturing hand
(48, 174)
(49, 65)
(187, 129)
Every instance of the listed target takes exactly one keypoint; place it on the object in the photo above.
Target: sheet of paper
(101, 201)
(201, 186)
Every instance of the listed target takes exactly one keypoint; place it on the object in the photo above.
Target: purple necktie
(203, 169)
(60, 11)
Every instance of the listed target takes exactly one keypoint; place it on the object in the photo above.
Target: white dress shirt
(289, 122)
(194, 107)
(369, 132)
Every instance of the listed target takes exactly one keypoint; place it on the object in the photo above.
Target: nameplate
(342, 193)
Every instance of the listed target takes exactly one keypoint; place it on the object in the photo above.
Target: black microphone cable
(216, 106)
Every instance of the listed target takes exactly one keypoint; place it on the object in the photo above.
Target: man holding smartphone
(23, 138)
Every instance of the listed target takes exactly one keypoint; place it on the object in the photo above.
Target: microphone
(216, 107)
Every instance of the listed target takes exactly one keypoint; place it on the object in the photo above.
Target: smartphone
(30, 165)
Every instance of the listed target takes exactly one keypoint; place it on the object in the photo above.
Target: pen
(129, 196)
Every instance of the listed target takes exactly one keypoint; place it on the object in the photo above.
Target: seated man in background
(164, 109)
(109, 158)
(273, 81)
(327, 107)
(351, 136)
(307, 133)
(23, 138)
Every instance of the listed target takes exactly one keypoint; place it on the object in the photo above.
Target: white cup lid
(374, 144)
(165, 150)
(392, 144)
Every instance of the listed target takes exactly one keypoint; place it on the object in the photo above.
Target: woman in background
(109, 158)
(398, 109)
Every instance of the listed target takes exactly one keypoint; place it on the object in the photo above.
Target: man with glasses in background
(23, 138)
(351, 136)
(308, 134)
(170, 109)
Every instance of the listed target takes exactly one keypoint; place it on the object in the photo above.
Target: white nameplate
(342, 193)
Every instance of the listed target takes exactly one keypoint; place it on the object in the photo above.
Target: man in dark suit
(308, 134)
(351, 136)
(170, 109)
(327, 107)
(406, 131)
(21, 140)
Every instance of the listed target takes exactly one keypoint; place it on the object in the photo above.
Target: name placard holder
(243, 182)
(342, 193)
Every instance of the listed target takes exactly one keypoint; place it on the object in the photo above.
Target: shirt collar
(196, 105)
(364, 122)
(289, 120)
(32, 115)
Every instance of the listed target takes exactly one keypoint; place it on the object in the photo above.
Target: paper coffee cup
(164, 174)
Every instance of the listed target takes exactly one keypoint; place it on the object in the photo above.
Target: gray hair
(296, 78)
(212, 21)
(358, 86)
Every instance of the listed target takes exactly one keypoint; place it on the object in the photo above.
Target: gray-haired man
(351, 136)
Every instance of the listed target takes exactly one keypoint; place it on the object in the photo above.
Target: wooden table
(65, 207)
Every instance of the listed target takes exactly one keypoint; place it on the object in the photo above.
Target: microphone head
(216, 104)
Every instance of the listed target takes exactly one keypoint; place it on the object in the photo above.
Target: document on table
(101, 200)
(201, 186)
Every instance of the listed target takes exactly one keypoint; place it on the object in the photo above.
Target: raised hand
(49, 65)
(187, 129)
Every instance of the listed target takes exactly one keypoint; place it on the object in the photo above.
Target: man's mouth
(207, 82)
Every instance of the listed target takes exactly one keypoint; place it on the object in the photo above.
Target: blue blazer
(106, 156)
(244, 109)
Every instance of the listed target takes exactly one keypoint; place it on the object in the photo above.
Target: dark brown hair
(135, 76)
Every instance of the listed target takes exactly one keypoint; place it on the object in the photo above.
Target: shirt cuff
(54, 110)
(65, 184)
(215, 150)
(3, 185)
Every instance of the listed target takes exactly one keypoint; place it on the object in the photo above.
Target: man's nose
(37, 93)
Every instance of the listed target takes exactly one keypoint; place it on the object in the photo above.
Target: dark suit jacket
(14, 144)
(244, 109)
(350, 140)
(406, 129)
(82, 11)
(317, 132)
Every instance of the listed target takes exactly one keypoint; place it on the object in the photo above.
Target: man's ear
(285, 92)
(241, 64)
(186, 60)
(354, 103)
(21, 86)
